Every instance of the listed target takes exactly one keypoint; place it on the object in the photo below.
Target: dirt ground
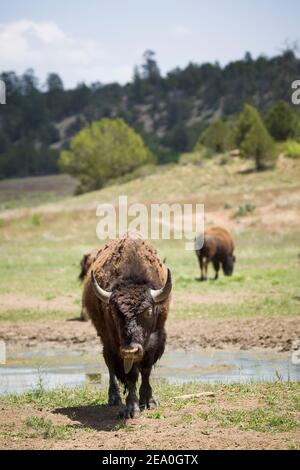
(243, 333)
(146, 432)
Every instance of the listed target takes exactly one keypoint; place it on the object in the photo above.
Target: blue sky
(94, 40)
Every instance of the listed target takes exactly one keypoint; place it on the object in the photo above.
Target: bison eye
(147, 313)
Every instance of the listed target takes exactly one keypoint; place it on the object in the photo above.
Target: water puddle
(26, 370)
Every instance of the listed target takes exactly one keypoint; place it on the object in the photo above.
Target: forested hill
(169, 111)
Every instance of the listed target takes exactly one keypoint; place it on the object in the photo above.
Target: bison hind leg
(148, 402)
(217, 269)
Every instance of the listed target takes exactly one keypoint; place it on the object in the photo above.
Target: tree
(106, 149)
(252, 137)
(150, 68)
(215, 137)
(29, 82)
(55, 96)
(54, 83)
(281, 121)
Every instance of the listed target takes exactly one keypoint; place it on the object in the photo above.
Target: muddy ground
(244, 333)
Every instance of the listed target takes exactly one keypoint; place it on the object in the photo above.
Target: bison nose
(134, 351)
(131, 354)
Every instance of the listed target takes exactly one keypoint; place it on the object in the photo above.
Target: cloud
(181, 30)
(44, 47)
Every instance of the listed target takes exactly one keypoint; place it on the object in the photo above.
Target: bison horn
(102, 294)
(161, 294)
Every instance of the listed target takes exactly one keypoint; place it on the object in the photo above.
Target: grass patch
(47, 429)
(244, 210)
(29, 314)
(57, 398)
(260, 420)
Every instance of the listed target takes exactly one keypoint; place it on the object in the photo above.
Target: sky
(96, 40)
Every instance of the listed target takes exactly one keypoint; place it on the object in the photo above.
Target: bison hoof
(114, 398)
(132, 410)
(149, 404)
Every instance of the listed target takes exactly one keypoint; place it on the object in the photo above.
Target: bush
(290, 148)
(196, 157)
(106, 149)
(244, 210)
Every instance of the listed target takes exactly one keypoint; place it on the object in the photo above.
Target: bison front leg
(84, 316)
(114, 398)
(132, 409)
(147, 399)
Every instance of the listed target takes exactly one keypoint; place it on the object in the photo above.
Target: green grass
(31, 314)
(57, 398)
(40, 251)
(261, 407)
(260, 420)
(265, 281)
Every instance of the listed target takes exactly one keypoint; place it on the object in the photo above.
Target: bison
(127, 295)
(218, 248)
(85, 264)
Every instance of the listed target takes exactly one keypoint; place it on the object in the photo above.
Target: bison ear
(102, 294)
(160, 295)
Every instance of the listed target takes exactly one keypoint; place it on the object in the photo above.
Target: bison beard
(127, 296)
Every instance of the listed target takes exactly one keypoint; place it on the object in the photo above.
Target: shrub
(244, 210)
(196, 157)
(290, 148)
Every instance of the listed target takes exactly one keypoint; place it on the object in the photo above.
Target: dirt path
(244, 333)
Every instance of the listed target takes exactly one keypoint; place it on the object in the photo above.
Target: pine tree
(253, 138)
(281, 121)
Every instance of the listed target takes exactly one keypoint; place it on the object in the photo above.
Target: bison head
(134, 307)
(228, 265)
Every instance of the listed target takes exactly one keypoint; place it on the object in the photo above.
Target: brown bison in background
(127, 295)
(85, 264)
(218, 248)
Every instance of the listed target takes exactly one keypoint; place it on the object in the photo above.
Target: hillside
(168, 111)
(216, 185)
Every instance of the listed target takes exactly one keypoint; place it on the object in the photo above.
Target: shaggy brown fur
(129, 268)
(218, 248)
(85, 264)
